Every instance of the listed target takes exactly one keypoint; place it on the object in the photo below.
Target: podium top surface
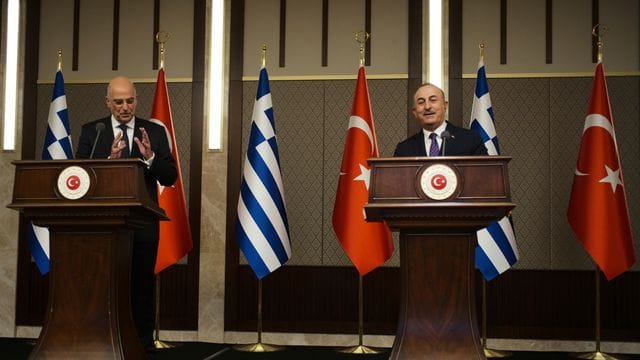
(82, 185)
(439, 192)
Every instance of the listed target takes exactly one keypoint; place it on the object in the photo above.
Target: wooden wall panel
(524, 304)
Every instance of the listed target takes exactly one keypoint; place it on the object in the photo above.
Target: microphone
(99, 129)
(444, 136)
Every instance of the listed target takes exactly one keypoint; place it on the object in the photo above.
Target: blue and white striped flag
(57, 146)
(497, 250)
(262, 227)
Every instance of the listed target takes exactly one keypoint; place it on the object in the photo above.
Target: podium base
(360, 349)
(493, 353)
(596, 355)
(258, 347)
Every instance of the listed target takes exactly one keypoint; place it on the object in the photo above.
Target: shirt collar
(115, 123)
(438, 130)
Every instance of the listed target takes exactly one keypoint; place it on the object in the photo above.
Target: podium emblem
(438, 181)
(73, 182)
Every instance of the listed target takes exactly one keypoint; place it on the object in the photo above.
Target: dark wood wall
(521, 304)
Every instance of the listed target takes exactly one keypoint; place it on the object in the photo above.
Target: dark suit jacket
(162, 170)
(463, 142)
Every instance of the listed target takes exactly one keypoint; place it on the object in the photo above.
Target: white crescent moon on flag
(599, 121)
(360, 123)
(596, 120)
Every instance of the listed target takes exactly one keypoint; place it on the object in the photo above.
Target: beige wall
(481, 24)
(571, 36)
(135, 52)
(304, 37)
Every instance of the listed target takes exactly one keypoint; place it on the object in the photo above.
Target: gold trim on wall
(550, 75)
(106, 81)
(464, 76)
(327, 77)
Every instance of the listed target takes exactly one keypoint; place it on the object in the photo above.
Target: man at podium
(437, 136)
(123, 135)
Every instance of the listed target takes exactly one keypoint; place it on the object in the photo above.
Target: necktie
(125, 152)
(434, 150)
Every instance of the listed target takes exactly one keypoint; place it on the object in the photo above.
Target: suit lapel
(451, 145)
(135, 152)
(419, 144)
(106, 139)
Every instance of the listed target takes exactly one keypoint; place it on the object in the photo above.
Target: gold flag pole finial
(59, 59)
(481, 46)
(263, 56)
(597, 31)
(361, 38)
(161, 38)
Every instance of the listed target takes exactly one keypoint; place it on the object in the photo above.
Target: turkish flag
(368, 245)
(598, 212)
(175, 234)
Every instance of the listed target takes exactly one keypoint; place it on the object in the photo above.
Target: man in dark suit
(429, 109)
(124, 135)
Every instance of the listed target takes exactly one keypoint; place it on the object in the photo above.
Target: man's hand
(117, 146)
(144, 145)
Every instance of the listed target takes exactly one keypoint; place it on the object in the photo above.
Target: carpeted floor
(17, 349)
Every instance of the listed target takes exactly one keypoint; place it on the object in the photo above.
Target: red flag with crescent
(367, 244)
(598, 212)
(175, 234)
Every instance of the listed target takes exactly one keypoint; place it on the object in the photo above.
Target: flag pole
(161, 38)
(360, 348)
(597, 355)
(260, 347)
(59, 59)
(361, 38)
(489, 353)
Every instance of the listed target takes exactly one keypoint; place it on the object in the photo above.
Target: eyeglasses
(120, 102)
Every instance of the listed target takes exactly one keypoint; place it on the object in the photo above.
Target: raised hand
(144, 145)
(117, 146)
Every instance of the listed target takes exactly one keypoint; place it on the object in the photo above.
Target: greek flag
(262, 228)
(57, 145)
(497, 250)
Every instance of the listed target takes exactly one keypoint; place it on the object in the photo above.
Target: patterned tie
(125, 152)
(434, 150)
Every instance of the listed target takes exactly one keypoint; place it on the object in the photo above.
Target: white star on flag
(364, 175)
(613, 178)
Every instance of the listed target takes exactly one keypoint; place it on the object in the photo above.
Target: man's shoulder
(415, 137)
(92, 124)
(148, 124)
(460, 131)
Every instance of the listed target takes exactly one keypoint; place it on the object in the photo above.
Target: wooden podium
(91, 208)
(438, 204)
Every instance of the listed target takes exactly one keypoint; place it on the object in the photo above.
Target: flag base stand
(492, 353)
(595, 355)
(360, 349)
(258, 348)
(489, 353)
(159, 344)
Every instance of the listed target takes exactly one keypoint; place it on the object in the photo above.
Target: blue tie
(434, 150)
(125, 152)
